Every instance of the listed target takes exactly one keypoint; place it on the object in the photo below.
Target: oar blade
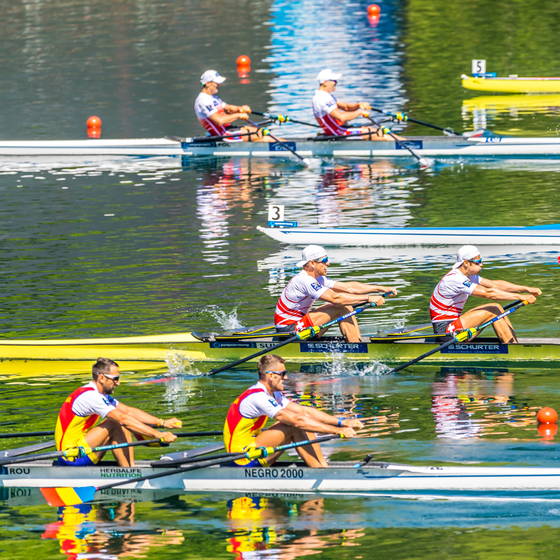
(61, 496)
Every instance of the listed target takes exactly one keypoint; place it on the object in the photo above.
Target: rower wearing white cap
(333, 115)
(216, 116)
(451, 293)
(294, 304)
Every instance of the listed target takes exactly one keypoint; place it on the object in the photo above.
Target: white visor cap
(211, 76)
(328, 74)
(312, 253)
(465, 253)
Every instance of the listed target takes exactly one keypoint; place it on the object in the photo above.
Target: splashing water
(339, 366)
(227, 321)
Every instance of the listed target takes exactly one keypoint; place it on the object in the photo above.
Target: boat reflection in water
(471, 402)
(262, 527)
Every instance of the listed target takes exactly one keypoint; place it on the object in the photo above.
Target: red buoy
(243, 61)
(94, 122)
(547, 415)
(373, 10)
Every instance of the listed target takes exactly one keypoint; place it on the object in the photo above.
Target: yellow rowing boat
(511, 84)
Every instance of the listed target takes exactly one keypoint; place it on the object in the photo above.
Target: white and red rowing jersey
(206, 105)
(298, 296)
(450, 295)
(324, 104)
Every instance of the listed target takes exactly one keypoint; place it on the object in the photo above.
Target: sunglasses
(476, 261)
(282, 373)
(113, 378)
(324, 260)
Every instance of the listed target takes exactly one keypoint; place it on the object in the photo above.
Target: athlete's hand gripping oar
(464, 335)
(424, 164)
(403, 117)
(78, 495)
(78, 451)
(281, 119)
(303, 334)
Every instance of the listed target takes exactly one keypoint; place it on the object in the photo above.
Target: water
(152, 246)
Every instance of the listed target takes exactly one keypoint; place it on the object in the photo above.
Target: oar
(285, 145)
(77, 451)
(25, 434)
(463, 335)
(403, 117)
(423, 163)
(26, 449)
(284, 119)
(303, 334)
(51, 433)
(81, 494)
(201, 139)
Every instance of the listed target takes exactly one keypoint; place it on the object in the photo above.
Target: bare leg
(280, 434)
(109, 433)
(349, 327)
(503, 328)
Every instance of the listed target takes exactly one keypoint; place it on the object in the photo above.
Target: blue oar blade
(68, 496)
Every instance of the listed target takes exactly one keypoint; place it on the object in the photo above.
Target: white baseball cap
(465, 253)
(328, 74)
(211, 76)
(312, 253)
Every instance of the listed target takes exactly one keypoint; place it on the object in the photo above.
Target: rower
(293, 308)
(216, 116)
(333, 115)
(75, 426)
(247, 415)
(451, 293)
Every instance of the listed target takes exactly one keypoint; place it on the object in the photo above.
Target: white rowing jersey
(260, 403)
(324, 104)
(93, 402)
(298, 296)
(206, 105)
(451, 294)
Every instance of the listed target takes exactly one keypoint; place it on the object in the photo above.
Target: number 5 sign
(478, 67)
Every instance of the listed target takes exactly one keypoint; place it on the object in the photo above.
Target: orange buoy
(547, 415)
(243, 61)
(373, 10)
(547, 431)
(94, 122)
(94, 132)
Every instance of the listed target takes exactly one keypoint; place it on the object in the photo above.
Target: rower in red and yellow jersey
(247, 416)
(80, 412)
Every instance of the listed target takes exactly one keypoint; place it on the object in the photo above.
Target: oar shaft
(399, 143)
(423, 123)
(288, 119)
(510, 308)
(26, 434)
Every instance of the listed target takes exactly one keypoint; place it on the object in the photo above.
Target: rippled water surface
(146, 246)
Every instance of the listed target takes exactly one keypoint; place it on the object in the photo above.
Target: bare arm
(313, 420)
(502, 290)
(227, 117)
(139, 422)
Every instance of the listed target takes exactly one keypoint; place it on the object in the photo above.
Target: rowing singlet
(206, 105)
(247, 416)
(298, 296)
(77, 415)
(451, 294)
(323, 105)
